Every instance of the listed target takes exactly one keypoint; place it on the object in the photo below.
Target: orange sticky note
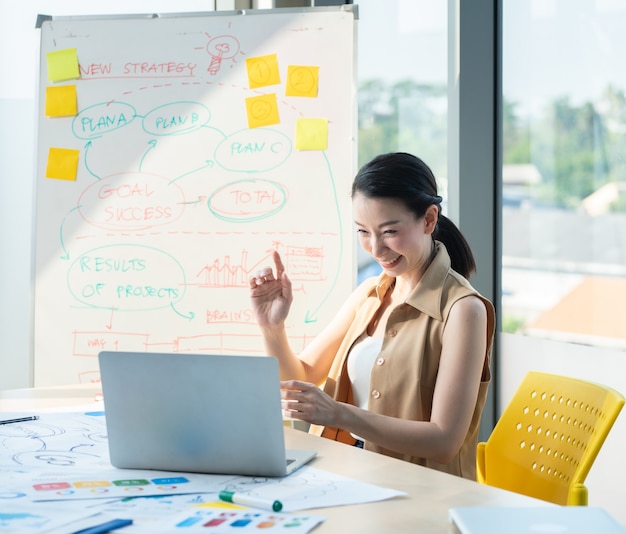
(61, 101)
(302, 81)
(262, 71)
(62, 65)
(311, 134)
(262, 110)
(91, 483)
(62, 163)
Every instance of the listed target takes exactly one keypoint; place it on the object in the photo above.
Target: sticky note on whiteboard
(302, 81)
(62, 163)
(263, 71)
(62, 65)
(262, 110)
(311, 134)
(61, 101)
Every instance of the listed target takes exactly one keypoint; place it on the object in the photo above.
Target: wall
(17, 155)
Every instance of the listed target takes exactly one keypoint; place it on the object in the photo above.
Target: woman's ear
(430, 218)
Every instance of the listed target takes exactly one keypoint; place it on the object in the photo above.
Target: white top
(360, 361)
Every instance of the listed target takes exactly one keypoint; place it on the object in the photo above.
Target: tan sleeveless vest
(404, 375)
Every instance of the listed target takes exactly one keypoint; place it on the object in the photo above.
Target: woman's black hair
(407, 178)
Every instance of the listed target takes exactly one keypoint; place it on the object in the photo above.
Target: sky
(555, 48)
(394, 36)
(551, 48)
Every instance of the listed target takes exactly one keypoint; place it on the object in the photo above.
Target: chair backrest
(548, 437)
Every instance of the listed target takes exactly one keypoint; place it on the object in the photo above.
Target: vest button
(393, 333)
(375, 394)
(380, 361)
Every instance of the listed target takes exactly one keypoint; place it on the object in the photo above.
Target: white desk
(429, 493)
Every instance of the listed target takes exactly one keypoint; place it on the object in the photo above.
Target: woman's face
(400, 243)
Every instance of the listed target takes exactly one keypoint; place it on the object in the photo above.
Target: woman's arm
(271, 299)
(458, 380)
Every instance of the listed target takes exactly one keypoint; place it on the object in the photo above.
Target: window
(564, 171)
(402, 86)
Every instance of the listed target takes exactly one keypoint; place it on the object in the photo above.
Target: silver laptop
(196, 413)
(534, 520)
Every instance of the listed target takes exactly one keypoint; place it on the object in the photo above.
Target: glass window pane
(402, 85)
(564, 170)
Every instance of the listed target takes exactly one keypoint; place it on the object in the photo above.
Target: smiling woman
(425, 332)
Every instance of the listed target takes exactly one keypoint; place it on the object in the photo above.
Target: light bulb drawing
(220, 48)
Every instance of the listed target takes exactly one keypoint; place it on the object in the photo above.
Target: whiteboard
(200, 144)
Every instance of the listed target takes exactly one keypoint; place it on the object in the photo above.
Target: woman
(405, 362)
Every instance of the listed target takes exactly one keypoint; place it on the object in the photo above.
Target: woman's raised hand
(271, 296)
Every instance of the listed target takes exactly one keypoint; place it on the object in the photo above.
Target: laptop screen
(193, 412)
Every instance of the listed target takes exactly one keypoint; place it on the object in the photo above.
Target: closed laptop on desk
(195, 413)
(534, 520)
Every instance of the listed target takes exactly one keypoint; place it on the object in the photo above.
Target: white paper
(63, 457)
(192, 513)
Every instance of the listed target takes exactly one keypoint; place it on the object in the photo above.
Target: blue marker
(106, 527)
(19, 420)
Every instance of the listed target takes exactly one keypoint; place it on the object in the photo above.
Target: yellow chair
(548, 437)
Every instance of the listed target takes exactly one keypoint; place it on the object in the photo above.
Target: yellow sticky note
(220, 504)
(262, 110)
(311, 134)
(62, 65)
(62, 163)
(262, 71)
(302, 81)
(61, 101)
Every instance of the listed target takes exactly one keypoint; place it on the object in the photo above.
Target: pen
(106, 527)
(247, 500)
(19, 420)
